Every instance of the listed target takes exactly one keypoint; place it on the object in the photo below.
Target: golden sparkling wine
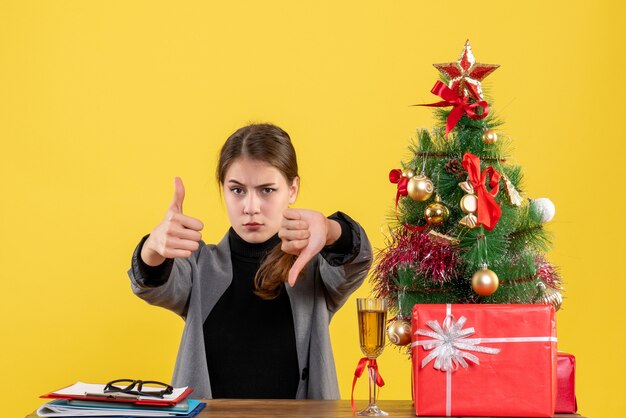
(372, 315)
(372, 332)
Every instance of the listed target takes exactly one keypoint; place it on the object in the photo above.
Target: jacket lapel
(217, 278)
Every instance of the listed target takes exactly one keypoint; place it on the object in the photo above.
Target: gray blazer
(196, 284)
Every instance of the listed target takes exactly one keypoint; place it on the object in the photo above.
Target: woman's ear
(293, 190)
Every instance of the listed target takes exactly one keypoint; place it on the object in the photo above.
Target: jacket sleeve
(167, 285)
(342, 274)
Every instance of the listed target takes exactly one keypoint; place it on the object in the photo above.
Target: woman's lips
(252, 226)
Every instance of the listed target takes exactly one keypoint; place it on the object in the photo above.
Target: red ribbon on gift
(489, 211)
(461, 105)
(371, 364)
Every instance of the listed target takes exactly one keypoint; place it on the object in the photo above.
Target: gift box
(565, 379)
(484, 360)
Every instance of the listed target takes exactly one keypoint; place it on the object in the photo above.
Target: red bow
(461, 105)
(371, 364)
(489, 211)
(395, 176)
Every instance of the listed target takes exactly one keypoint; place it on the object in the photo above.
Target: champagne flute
(372, 320)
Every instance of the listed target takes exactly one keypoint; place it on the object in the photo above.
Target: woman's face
(256, 194)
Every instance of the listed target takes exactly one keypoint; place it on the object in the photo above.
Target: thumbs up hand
(304, 233)
(177, 236)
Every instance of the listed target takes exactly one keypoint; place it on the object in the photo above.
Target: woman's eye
(268, 190)
(236, 190)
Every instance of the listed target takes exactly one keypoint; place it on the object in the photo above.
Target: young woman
(247, 333)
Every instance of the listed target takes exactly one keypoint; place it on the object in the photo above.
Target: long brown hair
(270, 144)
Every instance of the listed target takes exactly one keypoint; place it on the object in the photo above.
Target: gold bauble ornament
(485, 282)
(490, 137)
(420, 188)
(436, 213)
(469, 203)
(408, 173)
(399, 332)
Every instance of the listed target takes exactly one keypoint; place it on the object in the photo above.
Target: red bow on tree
(461, 105)
(395, 176)
(489, 211)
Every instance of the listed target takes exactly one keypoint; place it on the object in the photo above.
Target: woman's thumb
(179, 195)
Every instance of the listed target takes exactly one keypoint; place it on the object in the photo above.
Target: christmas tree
(462, 230)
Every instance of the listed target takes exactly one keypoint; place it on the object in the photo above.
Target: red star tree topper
(465, 74)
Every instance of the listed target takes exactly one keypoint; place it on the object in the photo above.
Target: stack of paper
(90, 400)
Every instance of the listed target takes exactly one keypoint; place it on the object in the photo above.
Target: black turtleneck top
(250, 342)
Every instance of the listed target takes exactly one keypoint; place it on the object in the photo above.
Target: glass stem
(372, 379)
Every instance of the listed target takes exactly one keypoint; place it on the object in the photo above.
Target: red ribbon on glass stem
(489, 210)
(371, 365)
(460, 105)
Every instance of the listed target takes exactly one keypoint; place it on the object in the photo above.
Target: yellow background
(103, 103)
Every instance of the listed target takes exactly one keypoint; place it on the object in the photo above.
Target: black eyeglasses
(139, 387)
